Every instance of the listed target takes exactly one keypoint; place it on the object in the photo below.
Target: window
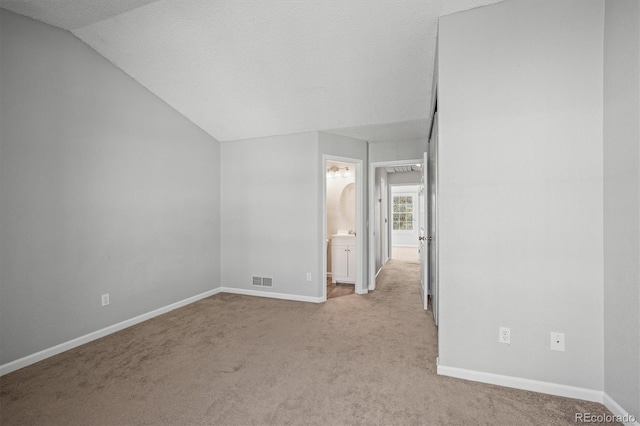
(403, 213)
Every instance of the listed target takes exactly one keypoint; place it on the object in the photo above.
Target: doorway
(343, 200)
(383, 176)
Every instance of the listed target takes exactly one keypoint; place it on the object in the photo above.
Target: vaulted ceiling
(250, 68)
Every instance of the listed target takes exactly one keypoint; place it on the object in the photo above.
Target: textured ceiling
(71, 14)
(252, 68)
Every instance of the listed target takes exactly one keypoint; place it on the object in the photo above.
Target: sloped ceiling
(71, 14)
(250, 68)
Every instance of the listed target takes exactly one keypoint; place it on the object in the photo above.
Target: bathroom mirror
(348, 204)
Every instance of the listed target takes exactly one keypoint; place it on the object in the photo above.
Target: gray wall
(622, 203)
(395, 151)
(520, 110)
(270, 213)
(104, 189)
(271, 217)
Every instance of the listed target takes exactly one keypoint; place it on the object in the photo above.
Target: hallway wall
(405, 178)
(395, 151)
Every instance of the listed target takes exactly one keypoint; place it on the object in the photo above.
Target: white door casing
(385, 236)
(361, 285)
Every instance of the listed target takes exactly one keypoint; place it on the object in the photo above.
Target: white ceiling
(250, 68)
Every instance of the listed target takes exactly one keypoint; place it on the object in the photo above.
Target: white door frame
(360, 285)
(372, 190)
(385, 252)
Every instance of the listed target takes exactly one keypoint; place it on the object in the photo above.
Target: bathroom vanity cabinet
(343, 258)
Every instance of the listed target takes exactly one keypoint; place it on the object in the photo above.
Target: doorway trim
(371, 219)
(360, 285)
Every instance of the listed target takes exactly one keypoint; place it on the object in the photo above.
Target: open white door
(384, 221)
(422, 238)
(432, 172)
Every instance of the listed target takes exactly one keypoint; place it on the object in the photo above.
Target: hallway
(232, 359)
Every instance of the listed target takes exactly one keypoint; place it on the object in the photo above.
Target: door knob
(421, 238)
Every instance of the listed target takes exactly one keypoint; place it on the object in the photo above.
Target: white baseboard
(62, 347)
(617, 410)
(55, 350)
(271, 295)
(521, 383)
(542, 387)
(372, 285)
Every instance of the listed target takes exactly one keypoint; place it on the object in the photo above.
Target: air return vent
(262, 282)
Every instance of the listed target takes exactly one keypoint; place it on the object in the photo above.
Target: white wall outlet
(105, 299)
(504, 335)
(557, 341)
(308, 276)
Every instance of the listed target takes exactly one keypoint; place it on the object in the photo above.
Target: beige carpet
(243, 360)
(405, 254)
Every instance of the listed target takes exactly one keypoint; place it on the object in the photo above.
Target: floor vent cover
(267, 282)
(257, 281)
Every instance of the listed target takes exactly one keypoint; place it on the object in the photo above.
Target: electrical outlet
(105, 299)
(504, 335)
(557, 341)
(308, 276)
